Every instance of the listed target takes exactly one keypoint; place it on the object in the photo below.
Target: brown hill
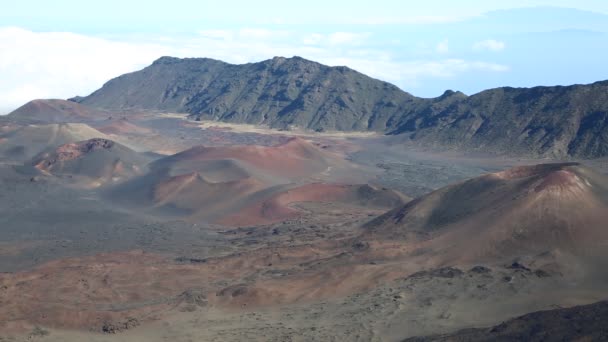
(222, 183)
(522, 211)
(97, 160)
(201, 199)
(279, 207)
(122, 126)
(56, 111)
(291, 160)
(25, 142)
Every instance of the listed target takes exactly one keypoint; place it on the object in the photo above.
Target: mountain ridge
(552, 121)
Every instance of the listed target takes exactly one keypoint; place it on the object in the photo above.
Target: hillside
(245, 184)
(25, 142)
(278, 92)
(527, 210)
(548, 121)
(97, 160)
(56, 111)
(282, 92)
(579, 323)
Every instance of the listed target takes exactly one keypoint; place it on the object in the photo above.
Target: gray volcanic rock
(550, 121)
(579, 323)
(282, 92)
(25, 142)
(278, 92)
(55, 111)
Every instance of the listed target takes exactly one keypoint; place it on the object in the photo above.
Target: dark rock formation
(282, 92)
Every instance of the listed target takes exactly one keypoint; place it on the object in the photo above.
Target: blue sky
(57, 49)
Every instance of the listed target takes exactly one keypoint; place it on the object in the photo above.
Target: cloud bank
(489, 45)
(63, 64)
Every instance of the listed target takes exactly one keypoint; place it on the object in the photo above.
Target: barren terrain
(159, 228)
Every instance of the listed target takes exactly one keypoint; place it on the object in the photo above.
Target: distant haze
(422, 48)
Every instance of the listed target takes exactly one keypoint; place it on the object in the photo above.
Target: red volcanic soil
(295, 158)
(79, 293)
(531, 170)
(522, 211)
(95, 161)
(238, 184)
(90, 292)
(558, 179)
(278, 208)
(246, 184)
(484, 220)
(130, 288)
(73, 151)
(201, 197)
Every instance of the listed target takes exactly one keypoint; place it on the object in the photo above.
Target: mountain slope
(579, 323)
(526, 210)
(97, 160)
(278, 206)
(278, 92)
(56, 111)
(283, 92)
(25, 142)
(214, 182)
(553, 121)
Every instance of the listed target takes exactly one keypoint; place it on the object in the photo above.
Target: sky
(63, 48)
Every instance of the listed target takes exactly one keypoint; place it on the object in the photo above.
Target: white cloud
(407, 20)
(61, 65)
(412, 73)
(313, 39)
(442, 46)
(262, 34)
(217, 34)
(489, 45)
(338, 38)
